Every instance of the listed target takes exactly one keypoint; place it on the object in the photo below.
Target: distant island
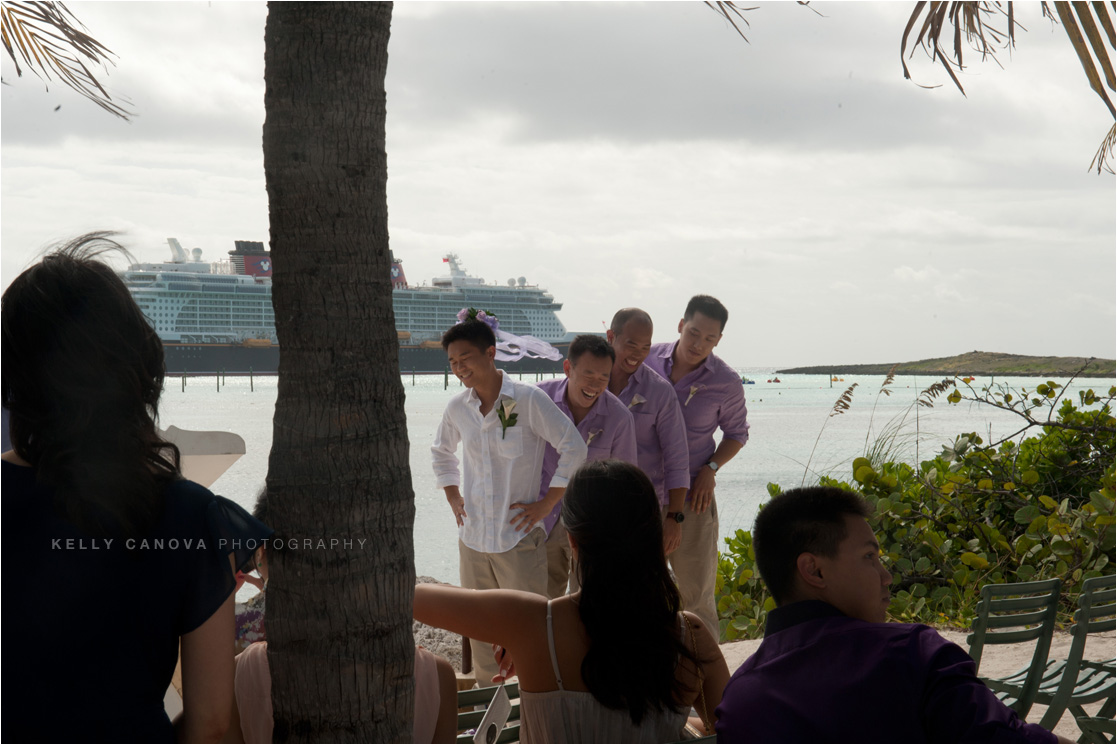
(977, 363)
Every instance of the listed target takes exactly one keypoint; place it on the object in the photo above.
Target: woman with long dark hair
(616, 661)
(113, 558)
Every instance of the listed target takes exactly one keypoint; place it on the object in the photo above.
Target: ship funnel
(178, 255)
(197, 254)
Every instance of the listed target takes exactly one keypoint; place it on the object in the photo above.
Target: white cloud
(625, 154)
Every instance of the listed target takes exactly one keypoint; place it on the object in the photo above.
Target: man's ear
(682, 323)
(490, 352)
(810, 572)
(609, 336)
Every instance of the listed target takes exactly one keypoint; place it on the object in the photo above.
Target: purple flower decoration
(472, 313)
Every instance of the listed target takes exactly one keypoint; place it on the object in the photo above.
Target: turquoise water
(785, 422)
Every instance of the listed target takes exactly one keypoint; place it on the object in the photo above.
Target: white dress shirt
(502, 467)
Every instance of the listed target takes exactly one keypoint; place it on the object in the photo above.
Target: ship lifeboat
(256, 343)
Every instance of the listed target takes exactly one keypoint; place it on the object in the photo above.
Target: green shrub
(975, 514)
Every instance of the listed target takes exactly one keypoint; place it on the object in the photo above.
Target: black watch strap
(676, 516)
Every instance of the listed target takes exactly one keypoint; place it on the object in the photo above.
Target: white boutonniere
(593, 435)
(506, 415)
(693, 392)
(637, 399)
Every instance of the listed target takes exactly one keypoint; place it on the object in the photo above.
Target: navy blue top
(91, 625)
(820, 676)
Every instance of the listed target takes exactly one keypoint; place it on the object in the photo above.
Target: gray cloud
(636, 154)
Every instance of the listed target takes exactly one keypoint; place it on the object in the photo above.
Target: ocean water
(792, 437)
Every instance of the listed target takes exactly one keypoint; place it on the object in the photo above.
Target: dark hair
(709, 306)
(474, 331)
(623, 316)
(587, 343)
(82, 375)
(802, 520)
(260, 510)
(611, 510)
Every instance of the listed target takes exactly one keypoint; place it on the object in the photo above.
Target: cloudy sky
(632, 153)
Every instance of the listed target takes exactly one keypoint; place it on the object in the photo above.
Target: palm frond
(1083, 29)
(1103, 159)
(50, 42)
(971, 21)
(728, 9)
(807, 4)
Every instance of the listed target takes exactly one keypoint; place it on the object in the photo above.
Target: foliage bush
(1038, 508)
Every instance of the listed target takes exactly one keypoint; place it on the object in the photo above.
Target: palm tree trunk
(338, 615)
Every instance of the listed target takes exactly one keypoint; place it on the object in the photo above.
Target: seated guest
(250, 614)
(830, 669)
(436, 696)
(616, 661)
(436, 690)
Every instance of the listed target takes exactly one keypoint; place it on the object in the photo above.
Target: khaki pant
(524, 567)
(695, 565)
(561, 576)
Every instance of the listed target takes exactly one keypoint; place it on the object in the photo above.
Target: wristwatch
(676, 516)
(713, 466)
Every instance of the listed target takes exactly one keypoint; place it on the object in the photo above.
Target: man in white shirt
(504, 427)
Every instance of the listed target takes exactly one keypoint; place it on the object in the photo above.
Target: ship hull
(230, 359)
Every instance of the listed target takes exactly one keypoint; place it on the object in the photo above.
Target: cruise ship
(217, 316)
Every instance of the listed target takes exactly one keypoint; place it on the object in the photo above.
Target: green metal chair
(1016, 613)
(1097, 729)
(1078, 681)
(470, 719)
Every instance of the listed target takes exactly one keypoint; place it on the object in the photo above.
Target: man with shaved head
(661, 448)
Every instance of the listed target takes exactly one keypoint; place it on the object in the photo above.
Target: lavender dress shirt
(711, 396)
(820, 677)
(607, 430)
(661, 438)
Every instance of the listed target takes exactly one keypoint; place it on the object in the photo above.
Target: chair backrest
(1096, 613)
(470, 719)
(1017, 613)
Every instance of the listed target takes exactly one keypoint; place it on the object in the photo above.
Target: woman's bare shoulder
(14, 459)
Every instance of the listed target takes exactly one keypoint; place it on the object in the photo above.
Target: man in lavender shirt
(605, 425)
(830, 668)
(661, 449)
(711, 396)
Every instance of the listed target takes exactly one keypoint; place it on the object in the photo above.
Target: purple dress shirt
(607, 430)
(820, 677)
(711, 396)
(661, 439)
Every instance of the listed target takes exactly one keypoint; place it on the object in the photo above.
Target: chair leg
(1093, 737)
